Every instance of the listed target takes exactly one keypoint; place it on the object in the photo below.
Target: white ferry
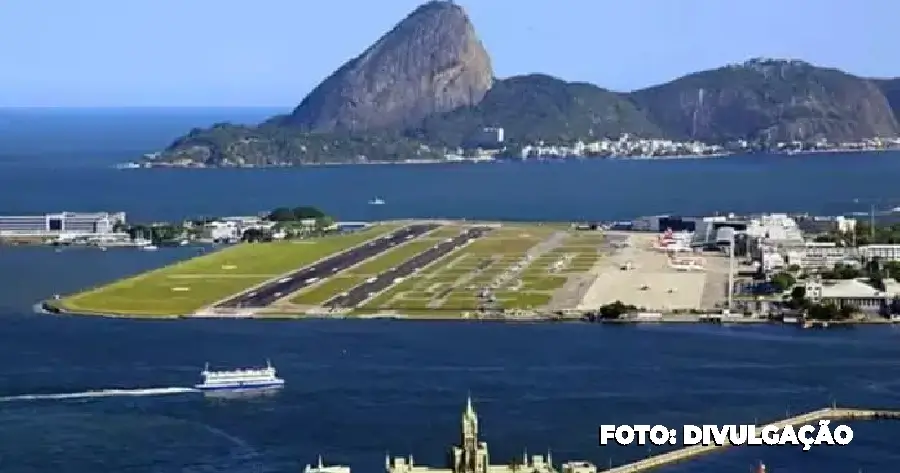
(252, 378)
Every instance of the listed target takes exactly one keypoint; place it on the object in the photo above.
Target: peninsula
(740, 269)
(426, 92)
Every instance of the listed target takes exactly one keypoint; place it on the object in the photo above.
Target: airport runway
(362, 292)
(266, 295)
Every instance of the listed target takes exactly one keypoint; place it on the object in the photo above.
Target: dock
(686, 453)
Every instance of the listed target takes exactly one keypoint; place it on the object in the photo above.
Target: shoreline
(467, 161)
(534, 310)
(500, 160)
(836, 151)
(46, 308)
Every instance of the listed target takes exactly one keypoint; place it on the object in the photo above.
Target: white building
(772, 261)
(845, 225)
(882, 252)
(61, 223)
(647, 224)
(820, 255)
(847, 292)
(775, 228)
(219, 230)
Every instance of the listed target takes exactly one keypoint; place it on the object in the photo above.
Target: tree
(138, 231)
(798, 293)
(823, 312)
(847, 311)
(874, 267)
(301, 213)
(842, 271)
(895, 306)
(324, 222)
(892, 269)
(281, 214)
(783, 281)
(252, 235)
(615, 310)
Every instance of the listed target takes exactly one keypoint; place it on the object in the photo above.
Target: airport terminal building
(61, 223)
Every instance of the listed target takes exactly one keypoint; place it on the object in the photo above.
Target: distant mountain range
(427, 86)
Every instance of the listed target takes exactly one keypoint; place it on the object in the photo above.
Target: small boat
(149, 248)
(376, 201)
(247, 378)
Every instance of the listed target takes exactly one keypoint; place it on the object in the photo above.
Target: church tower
(471, 455)
(469, 426)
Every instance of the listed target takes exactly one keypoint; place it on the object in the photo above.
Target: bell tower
(469, 426)
(470, 456)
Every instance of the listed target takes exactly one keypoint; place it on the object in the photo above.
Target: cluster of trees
(284, 214)
(783, 281)
(293, 221)
(272, 144)
(612, 311)
(842, 271)
(256, 235)
(864, 235)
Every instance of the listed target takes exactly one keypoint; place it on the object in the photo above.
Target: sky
(114, 53)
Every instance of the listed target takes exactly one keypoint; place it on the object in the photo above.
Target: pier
(686, 453)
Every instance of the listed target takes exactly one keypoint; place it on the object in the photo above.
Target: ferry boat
(248, 378)
(376, 201)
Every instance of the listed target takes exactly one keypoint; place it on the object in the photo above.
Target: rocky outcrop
(431, 62)
(769, 100)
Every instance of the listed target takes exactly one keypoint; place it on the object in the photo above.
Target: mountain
(773, 100)
(431, 62)
(536, 108)
(891, 90)
(427, 87)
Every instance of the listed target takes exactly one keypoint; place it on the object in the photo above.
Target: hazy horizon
(219, 53)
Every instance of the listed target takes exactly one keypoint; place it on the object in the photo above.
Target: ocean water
(358, 389)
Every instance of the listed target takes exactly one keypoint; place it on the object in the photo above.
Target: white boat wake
(99, 393)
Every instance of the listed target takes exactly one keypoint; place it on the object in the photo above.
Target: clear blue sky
(272, 52)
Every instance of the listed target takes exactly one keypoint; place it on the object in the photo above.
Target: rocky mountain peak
(431, 62)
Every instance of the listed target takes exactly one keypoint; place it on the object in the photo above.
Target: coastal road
(354, 296)
(269, 293)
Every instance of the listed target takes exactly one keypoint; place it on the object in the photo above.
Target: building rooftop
(892, 287)
(848, 289)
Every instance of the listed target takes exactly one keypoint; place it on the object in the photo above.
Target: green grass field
(392, 258)
(327, 289)
(187, 286)
(445, 284)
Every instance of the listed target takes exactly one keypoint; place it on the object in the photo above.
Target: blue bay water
(357, 390)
